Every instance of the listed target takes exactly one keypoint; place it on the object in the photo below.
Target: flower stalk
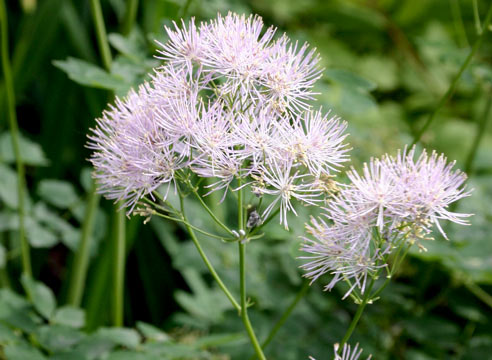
(14, 133)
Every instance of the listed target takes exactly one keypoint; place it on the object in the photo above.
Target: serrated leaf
(87, 74)
(22, 352)
(349, 80)
(69, 316)
(3, 256)
(31, 152)
(8, 186)
(38, 235)
(124, 337)
(41, 296)
(58, 338)
(59, 193)
(152, 333)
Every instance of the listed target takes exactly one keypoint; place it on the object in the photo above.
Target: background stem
(118, 267)
(278, 325)
(130, 16)
(102, 38)
(82, 256)
(447, 95)
(14, 133)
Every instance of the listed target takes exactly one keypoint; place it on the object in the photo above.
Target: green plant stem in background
(458, 23)
(476, 18)
(130, 16)
(82, 256)
(102, 38)
(14, 132)
(479, 292)
(205, 259)
(481, 126)
(244, 305)
(119, 237)
(119, 243)
(454, 83)
(278, 325)
(360, 310)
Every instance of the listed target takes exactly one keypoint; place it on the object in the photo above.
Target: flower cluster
(395, 201)
(230, 102)
(347, 353)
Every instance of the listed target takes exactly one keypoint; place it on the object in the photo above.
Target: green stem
(119, 235)
(205, 259)
(454, 83)
(193, 227)
(479, 134)
(118, 267)
(130, 16)
(82, 256)
(458, 23)
(479, 292)
(14, 132)
(102, 38)
(210, 212)
(244, 306)
(300, 294)
(358, 314)
(476, 17)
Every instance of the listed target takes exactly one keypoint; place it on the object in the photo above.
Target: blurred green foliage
(387, 63)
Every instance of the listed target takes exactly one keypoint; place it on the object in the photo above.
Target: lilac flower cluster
(347, 353)
(394, 202)
(229, 103)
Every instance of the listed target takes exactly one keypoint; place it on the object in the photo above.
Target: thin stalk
(82, 256)
(479, 134)
(209, 211)
(479, 292)
(14, 132)
(118, 267)
(102, 38)
(476, 17)
(130, 16)
(244, 306)
(193, 227)
(458, 23)
(357, 315)
(454, 83)
(205, 258)
(119, 235)
(278, 325)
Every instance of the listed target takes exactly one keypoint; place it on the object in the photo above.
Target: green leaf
(9, 221)
(87, 74)
(127, 355)
(3, 256)
(124, 337)
(132, 46)
(41, 296)
(349, 79)
(38, 235)
(22, 352)
(152, 333)
(58, 193)
(8, 186)
(69, 316)
(31, 153)
(7, 335)
(57, 337)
